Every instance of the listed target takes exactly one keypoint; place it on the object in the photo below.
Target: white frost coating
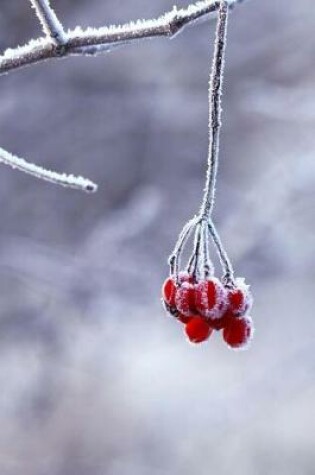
(112, 33)
(183, 298)
(248, 301)
(14, 53)
(142, 26)
(241, 284)
(80, 41)
(70, 181)
(205, 308)
(49, 21)
(198, 7)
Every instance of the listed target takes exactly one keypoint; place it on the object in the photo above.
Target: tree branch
(70, 181)
(49, 21)
(93, 41)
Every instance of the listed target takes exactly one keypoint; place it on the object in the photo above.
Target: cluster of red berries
(207, 305)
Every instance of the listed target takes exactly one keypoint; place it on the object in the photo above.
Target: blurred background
(95, 379)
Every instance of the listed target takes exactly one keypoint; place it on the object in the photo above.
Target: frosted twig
(176, 254)
(228, 276)
(70, 181)
(207, 264)
(49, 21)
(194, 260)
(93, 41)
(215, 110)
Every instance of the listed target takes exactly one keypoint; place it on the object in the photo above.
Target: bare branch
(49, 21)
(98, 40)
(70, 181)
(92, 41)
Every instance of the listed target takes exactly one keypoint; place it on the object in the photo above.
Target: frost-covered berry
(238, 333)
(186, 277)
(169, 287)
(238, 303)
(183, 318)
(169, 291)
(210, 298)
(239, 298)
(198, 330)
(222, 322)
(185, 299)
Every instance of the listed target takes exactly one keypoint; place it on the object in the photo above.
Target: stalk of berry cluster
(199, 264)
(215, 113)
(215, 110)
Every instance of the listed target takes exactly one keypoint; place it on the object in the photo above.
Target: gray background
(95, 380)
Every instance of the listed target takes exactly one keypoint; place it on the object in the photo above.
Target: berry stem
(215, 110)
(207, 264)
(174, 259)
(228, 270)
(194, 261)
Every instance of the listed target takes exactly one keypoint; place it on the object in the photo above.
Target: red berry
(185, 299)
(238, 332)
(169, 291)
(222, 322)
(198, 330)
(183, 318)
(210, 296)
(239, 299)
(236, 299)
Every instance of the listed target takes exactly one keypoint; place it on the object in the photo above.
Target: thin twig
(51, 25)
(208, 268)
(215, 110)
(70, 181)
(194, 260)
(99, 40)
(228, 270)
(174, 259)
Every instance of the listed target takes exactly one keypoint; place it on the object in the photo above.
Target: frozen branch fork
(58, 43)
